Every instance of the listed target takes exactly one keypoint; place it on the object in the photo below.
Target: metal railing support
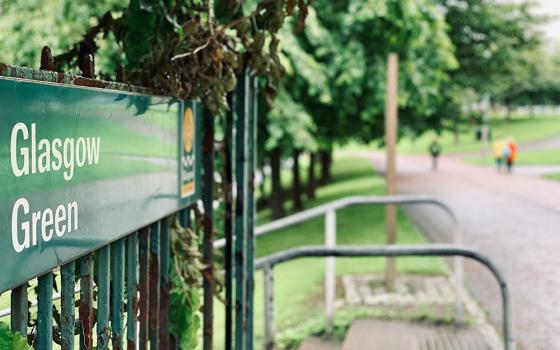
(267, 264)
(330, 272)
(365, 200)
(269, 328)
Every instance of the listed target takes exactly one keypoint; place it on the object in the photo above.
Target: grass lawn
(522, 128)
(555, 177)
(298, 284)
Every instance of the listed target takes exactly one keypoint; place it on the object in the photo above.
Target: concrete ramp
(396, 335)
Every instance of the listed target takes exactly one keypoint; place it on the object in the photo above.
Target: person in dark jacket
(435, 151)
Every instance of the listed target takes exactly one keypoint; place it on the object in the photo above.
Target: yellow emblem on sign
(188, 130)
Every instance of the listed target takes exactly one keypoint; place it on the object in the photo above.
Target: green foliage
(184, 296)
(490, 39)
(12, 340)
(336, 69)
(185, 315)
(28, 25)
(289, 125)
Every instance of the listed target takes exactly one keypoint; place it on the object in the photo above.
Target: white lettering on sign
(30, 157)
(28, 227)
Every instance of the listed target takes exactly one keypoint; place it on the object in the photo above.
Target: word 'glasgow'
(50, 155)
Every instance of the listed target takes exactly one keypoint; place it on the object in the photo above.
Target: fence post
(44, 313)
(132, 290)
(269, 328)
(67, 317)
(330, 273)
(143, 282)
(229, 161)
(165, 248)
(208, 226)
(251, 162)
(103, 273)
(117, 293)
(154, 283)
(86, 302)
(241, 98)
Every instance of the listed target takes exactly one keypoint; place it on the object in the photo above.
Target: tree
(491, 40)
(28, 25)
(351, 39)
(290, 130)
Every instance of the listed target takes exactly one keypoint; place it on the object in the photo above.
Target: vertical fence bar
(251, 161)
(154, 285)
(241, 97)
(67, 318)
(269, 328)
(330, 273)
(103, 274)
(165, 248)
(117, 294)
(86, 302)
(144, 301)
(184, 217)
(131, 290)
(207, 200)
(228, 221)
(19, 308)
(44, 312)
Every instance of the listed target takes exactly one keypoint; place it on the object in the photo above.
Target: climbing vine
(192, 49)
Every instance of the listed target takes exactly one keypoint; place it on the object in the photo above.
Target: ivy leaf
(6, 336)
(12, 340)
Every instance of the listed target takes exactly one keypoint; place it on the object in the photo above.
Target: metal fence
(132, 273)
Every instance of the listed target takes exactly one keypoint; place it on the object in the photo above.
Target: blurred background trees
(332, 88)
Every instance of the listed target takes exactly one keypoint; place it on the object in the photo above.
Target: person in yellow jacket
(499, 144)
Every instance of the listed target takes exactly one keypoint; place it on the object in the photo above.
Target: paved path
(514, 219)
(397, 335)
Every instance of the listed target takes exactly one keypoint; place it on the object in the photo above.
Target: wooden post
(391, 126)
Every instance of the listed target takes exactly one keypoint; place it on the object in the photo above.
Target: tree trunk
(276, 195)
(311, 181)
(508, 114)
(296, 186)
(326, 160)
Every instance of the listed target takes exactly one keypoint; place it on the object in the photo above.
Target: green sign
(81, 167)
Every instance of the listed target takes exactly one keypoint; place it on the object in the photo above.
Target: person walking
(498, 149)
(512, 153)
(435, 151)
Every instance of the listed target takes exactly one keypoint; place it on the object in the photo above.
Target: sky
(552, 8)
(550, 30)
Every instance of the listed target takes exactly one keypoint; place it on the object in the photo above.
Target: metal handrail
(329, 211)
(343, 203)
(267, 263)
